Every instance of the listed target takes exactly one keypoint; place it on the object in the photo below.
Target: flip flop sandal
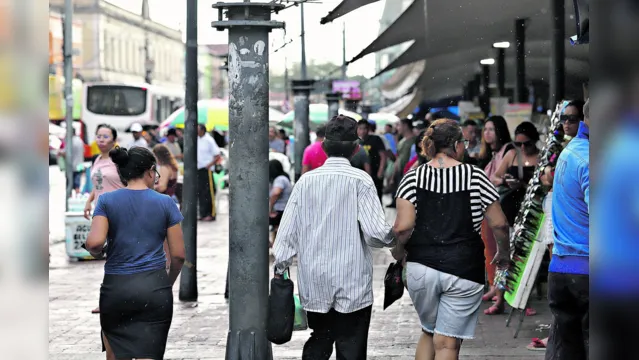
(536, 345)
(531, 312)
(494, 310)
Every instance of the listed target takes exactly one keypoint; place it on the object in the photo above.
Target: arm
(585, 184)
(382, 161)
(175, 240)
(87, 206)
(287, 235)
(275, 194)
(372, 219)
(499, 225)
(97, 235)
(306, 162)
(165, 173)
(367, 168)
(498, 178)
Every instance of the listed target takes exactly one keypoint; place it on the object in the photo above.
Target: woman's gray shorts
(446, 304)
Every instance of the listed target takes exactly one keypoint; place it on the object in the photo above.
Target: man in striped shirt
(332, 217)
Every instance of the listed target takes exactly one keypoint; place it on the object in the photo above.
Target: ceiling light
(502, 45)
(487, 61)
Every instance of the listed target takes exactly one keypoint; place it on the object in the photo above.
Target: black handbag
(393, 284)
(506, 191)
(281, 311)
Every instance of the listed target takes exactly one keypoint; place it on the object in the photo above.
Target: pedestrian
(275, 143)
(405, 129)
(571, 118)
(362, 161)
(168, 170)
(470, 135)
(77, 159)
(419, 159)
(376, 151)
(136, 130)
(208, 153)
(568, 277)
(331, 219)
(136, 297)
(440, 208)
(281, 188)
(173, 145)
(104, 173)
(495, 141)
(314, 155)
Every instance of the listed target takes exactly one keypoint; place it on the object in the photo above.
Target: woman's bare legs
(425, 348)
(109, 353)
(446, 348)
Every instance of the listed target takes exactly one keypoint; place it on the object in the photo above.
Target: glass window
(116, 100)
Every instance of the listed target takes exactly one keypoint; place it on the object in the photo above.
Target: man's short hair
(408, 123)
(469, 123)
(201, 127)
(321, 131)
(341, 137)
(364, 122)
(171, 131)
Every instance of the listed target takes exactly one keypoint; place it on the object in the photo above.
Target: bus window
(158, 109)
(116, 100)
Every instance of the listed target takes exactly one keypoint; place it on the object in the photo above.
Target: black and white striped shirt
(330, 220)
(458, 178)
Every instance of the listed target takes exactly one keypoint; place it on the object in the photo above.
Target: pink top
(493, 165)
(104, 177)
(314, 155)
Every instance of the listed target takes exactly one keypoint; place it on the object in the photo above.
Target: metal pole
(249, 25)
(301, 93)
(501, 71)
(303, 36)
(558, 52)
(344, 51)
(188, 279)
(520, 61)
(68, 94)
(148, 70)
(477, 91)
(332, 99)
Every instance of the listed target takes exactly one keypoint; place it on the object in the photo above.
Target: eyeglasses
(157, 175)
(466, 143)
(571, 119)
(523, 143)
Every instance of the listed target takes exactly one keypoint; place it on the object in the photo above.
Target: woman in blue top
(136, 298)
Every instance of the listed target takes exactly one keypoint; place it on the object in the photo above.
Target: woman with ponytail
(136, 297)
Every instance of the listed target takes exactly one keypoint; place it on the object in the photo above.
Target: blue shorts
(446, 304)
(77, 179)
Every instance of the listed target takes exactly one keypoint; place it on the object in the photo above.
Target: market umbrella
(318, 114)
(214, 113)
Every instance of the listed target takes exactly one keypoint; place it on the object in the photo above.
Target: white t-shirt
(141, 142)
(207, 149)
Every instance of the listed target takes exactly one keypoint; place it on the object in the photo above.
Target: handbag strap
(520, 166)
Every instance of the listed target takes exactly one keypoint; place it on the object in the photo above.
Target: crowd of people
(456, 191)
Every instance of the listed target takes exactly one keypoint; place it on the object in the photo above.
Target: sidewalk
(200, 332)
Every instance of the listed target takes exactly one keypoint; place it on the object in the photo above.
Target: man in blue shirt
(568, 279)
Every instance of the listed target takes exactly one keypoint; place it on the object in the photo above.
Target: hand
(87, 210)
(398, 252)
(272, 214)
(514, 183)
(380, 175)
(501, 259)
(277, 276)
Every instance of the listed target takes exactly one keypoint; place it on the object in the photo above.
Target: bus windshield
(116, 100)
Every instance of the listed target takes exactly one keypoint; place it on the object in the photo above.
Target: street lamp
(489, 61)
(501, 45)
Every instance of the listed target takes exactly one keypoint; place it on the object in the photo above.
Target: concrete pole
(249, 25)
(557, 52)
(68, 94)
(501, 71)
(188, 278)
(332, 99)
(485, 84)
(301, 94)
(303, 40)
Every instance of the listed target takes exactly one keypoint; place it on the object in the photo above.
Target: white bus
(120, 104)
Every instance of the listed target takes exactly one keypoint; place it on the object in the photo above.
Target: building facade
(121, 46)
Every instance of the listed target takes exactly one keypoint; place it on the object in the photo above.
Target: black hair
(201, 127)
(419, 148)
(321, 131)
(408, 123)
(132, 163)
(171, 131)
(579, 104)
(372, 126)
(275, 170)
(114, 132)
(502, 137)
(529, 129)
(469, 123)
(365, 123)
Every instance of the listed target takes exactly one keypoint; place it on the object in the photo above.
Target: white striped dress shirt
(330, 220)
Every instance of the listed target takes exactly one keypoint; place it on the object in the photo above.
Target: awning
(344, 8)
(402, 81)
(408, 26)
(405, 105)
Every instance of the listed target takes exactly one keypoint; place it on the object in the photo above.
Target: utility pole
(67, 51)
(148, 61)
(332, 99)
(344, 51)
(188, 279)
(249, 25)
(286, 87)
(303, 36)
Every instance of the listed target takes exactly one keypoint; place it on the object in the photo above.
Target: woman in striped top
(440, 209)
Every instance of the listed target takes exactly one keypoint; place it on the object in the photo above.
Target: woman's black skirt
(135, 313)
(275, 221)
